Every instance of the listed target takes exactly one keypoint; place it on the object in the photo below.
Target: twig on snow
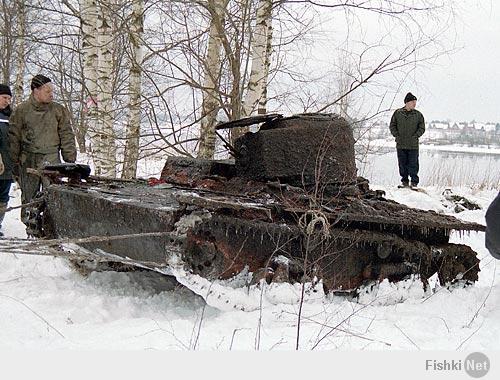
(407, 337)
(35, 313)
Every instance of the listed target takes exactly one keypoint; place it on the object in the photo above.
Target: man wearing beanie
(407, 125)
(5, 162)
(39, 132)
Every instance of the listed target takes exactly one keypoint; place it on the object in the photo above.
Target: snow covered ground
(45, 304)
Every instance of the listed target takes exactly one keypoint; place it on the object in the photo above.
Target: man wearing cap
(40, 130)
(5, 162)
(407, 125)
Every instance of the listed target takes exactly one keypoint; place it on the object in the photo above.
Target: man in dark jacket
(40, 130)
(5, 163)
(493, 228)
(407, 125)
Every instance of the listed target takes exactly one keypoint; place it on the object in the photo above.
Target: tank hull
(219, 235)
(288, 208)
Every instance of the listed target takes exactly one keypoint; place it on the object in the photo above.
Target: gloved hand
(2, 166)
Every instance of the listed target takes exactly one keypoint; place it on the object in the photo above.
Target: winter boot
(404, 184)
(413, 184)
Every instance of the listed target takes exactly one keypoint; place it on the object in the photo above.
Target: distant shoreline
(441, 148)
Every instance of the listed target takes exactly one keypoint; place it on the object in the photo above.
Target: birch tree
(7, 40)
(184, 84)
(88, 22)
(256, 30)
(21, 52)
(260, 56)
(131, 153)
(212, 69)
(262, 106)
(260, 52)
(104, 139)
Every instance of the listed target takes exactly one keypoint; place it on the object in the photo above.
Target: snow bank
(45, 304)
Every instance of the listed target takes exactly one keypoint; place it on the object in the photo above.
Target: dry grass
(461, 173)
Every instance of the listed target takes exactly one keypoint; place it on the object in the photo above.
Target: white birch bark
(104, 147)
(131, 154)
(7, 42)
(88, 19)
(262, 107)
(211, 104)
(259, 55)
(21, 52)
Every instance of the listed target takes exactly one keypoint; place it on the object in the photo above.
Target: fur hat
(38, 81)
(5, 90)
(409, 97)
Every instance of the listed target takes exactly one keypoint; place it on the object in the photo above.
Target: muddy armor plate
(262, 220)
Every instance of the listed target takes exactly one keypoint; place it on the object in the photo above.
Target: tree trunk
(256, 82)
(21, 52)
(262, 107)
(88, 122)
(260, 50)
(131, 154)
(105, 140)
(6, 41)
(211, 103)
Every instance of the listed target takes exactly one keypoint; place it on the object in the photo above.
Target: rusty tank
(288, 208)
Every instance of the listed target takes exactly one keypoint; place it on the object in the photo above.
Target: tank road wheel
(455, 262)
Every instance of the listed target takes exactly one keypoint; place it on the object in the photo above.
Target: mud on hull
(217, 236)
(288, 208)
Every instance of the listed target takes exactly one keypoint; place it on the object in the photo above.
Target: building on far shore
(447, 132)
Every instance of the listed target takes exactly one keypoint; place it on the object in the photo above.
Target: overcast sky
(461, 86)
(466, 85)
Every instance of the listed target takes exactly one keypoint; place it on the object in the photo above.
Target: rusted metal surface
(248, 121)
(299, 151)
(119, 209)
(222, 246)
(239, 233)
(190, 171)
(273, 212)
(74, 173)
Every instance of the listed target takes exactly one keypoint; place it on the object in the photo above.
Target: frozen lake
(437, 168)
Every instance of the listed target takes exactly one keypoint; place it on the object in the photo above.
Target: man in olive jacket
(39, 130)
(407, 125)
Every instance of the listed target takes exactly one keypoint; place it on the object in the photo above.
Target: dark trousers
(408, 165)
(4, 196)
(4, 190)
(31, 184)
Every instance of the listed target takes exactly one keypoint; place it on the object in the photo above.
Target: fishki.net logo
(475, 365)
